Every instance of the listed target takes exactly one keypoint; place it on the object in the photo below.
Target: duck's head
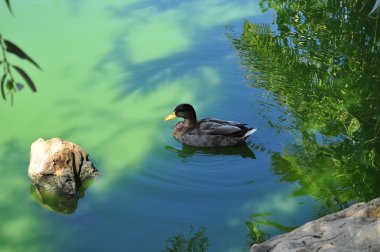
(185, 111)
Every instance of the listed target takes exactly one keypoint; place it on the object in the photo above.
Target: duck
(207, 132)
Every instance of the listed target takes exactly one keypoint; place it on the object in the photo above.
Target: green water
(113, 69)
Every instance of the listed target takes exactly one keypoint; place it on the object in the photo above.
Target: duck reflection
(187, 151)
(55, 200)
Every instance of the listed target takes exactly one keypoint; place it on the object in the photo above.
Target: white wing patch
(249, 132)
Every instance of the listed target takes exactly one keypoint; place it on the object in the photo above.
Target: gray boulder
(356, 228)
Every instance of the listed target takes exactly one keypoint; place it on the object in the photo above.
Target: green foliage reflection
(255, 224)
(322, 65)
(197, 242)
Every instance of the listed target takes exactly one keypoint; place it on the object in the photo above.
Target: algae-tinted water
(113, 69)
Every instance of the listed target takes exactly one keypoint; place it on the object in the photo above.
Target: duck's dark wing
(212, 126)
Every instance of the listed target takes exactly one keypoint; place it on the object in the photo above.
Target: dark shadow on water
(203, 52)
(56, 201)
(187, 151)
(161, 70)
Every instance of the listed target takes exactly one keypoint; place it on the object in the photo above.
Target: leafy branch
(7, 81)
(8, 84)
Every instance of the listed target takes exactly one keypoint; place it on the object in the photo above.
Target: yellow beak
(169, 117)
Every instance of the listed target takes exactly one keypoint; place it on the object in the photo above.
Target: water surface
(112, 70)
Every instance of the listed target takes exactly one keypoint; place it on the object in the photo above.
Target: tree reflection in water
(322, 65)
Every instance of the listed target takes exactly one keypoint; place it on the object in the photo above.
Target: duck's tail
(248, 133)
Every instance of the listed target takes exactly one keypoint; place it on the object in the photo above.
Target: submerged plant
(255, 224)
(255, 233)
(197, 242)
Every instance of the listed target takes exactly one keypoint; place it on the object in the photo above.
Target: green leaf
(9, 6)
(12, 48)
(26, 78)
(353, 127)
(2, 82)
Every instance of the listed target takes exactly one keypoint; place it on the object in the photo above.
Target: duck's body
(208, 132)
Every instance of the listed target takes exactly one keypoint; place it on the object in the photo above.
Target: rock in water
(59, 166)
(356, 228)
